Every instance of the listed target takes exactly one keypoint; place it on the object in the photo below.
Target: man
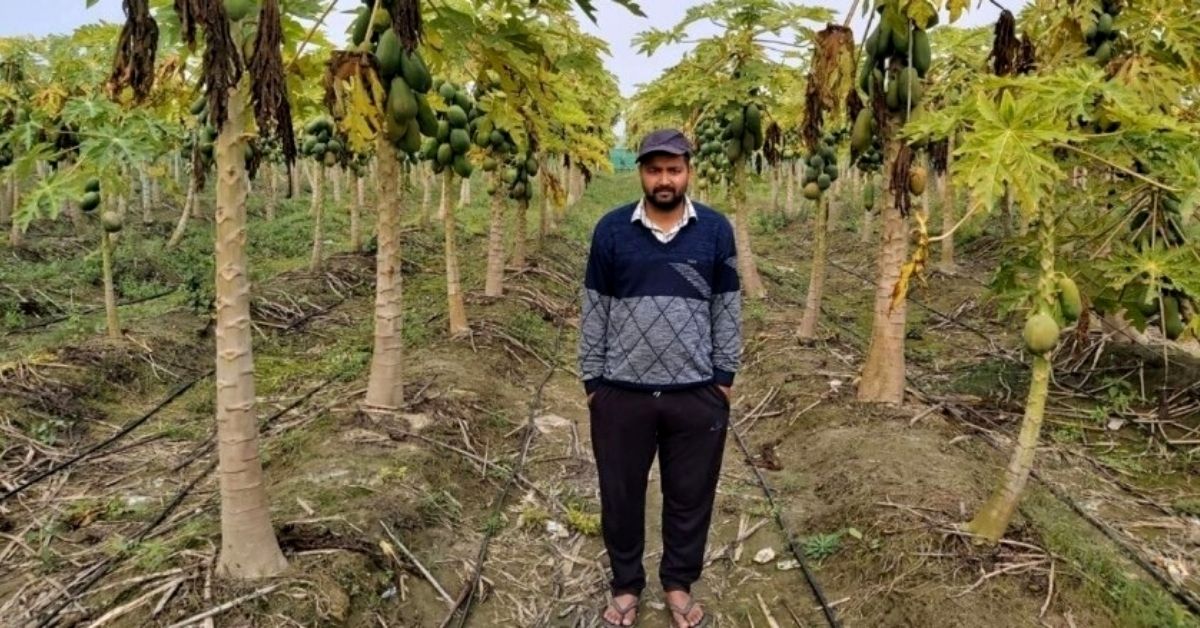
(660, 343)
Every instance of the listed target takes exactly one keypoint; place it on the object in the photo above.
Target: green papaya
(824, 181)
(1172, 320)
(318, 149)
(462, 166)
(429, 148)
(871, 46)
(531, 166)
(394, 130)
(518, 191)
(92, 185)
(330, 159)
(892, 95)
(908, 83)
(1068, 299)
(922, 53)
(481, 138)
(490, 164)
(415, 72)
(1104, 53)
(463, 100)
(900, 40)
(381, 20)
(1041, 333)
(460, 141)
(864, 77)
(445, 154)
(883, 47)
(358, 30)
(443, 131)
(333, 146)
(447, 92)
(748, 143)
(509, 176)
(402, 102)
(90, 201)
(497, 138)
(753, 119)
(860, 136)
(812, 191)
(917, 180)
(831, 171)
(1104, 26)
(425, 117)
(817, 162)
(457, 117)
(411, 143)
(733, 149)
(388, 53)
(737, 125)
(199, 106)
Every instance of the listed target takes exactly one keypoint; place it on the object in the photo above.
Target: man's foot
(621, 610)
(685, 612)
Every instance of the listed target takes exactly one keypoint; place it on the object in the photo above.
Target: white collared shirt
(689, 213)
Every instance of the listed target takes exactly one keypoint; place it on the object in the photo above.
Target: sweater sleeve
(593, 322)
(726, 310)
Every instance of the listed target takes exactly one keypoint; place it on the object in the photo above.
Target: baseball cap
(665, 141)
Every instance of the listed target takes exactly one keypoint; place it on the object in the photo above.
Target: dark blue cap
(669, 141)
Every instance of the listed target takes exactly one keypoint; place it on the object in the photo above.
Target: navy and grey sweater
(661, 316)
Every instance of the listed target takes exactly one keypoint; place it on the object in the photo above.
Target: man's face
(665, 180)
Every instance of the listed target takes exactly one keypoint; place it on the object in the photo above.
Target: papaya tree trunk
(454, 294)
(15, 239)
(464, 193)
(545, 214)
(360, 197)
(752, 284)
(520, 234)
(385, 385)
(295, 180)
(494, 282)
(993, 518)
(775, 187)
(426, 193)
(335, 173)
(144, 188)
(273, 191)
(816, 281)
(197, 210)
(444, 198)
(318, 213)
(884, 369)
(110, 298)
(181, 225)
(249, 548)
(789, 173)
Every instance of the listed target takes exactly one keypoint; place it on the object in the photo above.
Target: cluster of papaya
(865, 148)
(7, 115)
(517, 176)
(1171, 309)
(1100, 36)
(1041, 330)
(743, 132)
(821, 169)
(711, 161)
(407, 78)
(367, 26)
(111, 221)
(322, 142)
(205, 135)
(1159, 219)
(449, 131)
(896, 57)
(238, 10)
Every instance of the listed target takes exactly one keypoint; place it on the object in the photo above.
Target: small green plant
(532, 518)
(439, 506)
(1117, 400)
(1188, 506)
(585, 523)
(821, 546)
(495, 523)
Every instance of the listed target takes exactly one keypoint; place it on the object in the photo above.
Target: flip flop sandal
(622, 611)
(683, 612)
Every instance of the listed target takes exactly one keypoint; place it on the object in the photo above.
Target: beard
(665, 198)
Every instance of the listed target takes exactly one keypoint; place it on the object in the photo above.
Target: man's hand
(727, 390)
(590, 395)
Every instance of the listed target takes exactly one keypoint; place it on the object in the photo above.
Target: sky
(614, 24)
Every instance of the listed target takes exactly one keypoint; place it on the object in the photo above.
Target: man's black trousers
(687, 429)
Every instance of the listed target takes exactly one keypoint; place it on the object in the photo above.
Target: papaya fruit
(92, 185)
(443, 131)
(460, 141)
(429, 149)
(333, 146)
(1104, 26)
(737, 125)
(817, 162)
(860, 136)
(381, 20)
(922, 53)
(463, 99)
(753, 119)
(388, 53)
(1068, 299)
(1041, 333)
(238, 10)
(900, 40)
(869, 196)
(812, 191)
(490, 164)
(917, 179)
(412, 138)
(198, 106)
(871, 46)
(318, 149)
(90, 201)
(111, 221)
(733, 149)
(518, 191)
(747, 143)
(831, 170)
(1104, 53)
(445, 154)
(402, 102)
(394, 130)
(457, 117)
(909, 83)
(462, 166)
(415, 72)
(824, 181)
(1172, 320)
(447, 92)
(892, 95)
(358, 29)
(864, 77)
(509, 176)
(531, 166)
(425, 117)
(330, 159)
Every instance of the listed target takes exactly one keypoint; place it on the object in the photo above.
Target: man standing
(660, 343)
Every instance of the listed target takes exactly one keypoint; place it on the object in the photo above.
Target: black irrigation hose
(88, 310)
(798, 553)
(466, 598)
(129, 427)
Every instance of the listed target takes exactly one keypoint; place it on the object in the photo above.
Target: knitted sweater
(660, 316)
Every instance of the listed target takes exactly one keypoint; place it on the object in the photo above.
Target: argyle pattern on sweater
(660, 316)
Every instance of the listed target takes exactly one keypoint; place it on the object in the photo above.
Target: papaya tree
(1027, 136)
(729, 76)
